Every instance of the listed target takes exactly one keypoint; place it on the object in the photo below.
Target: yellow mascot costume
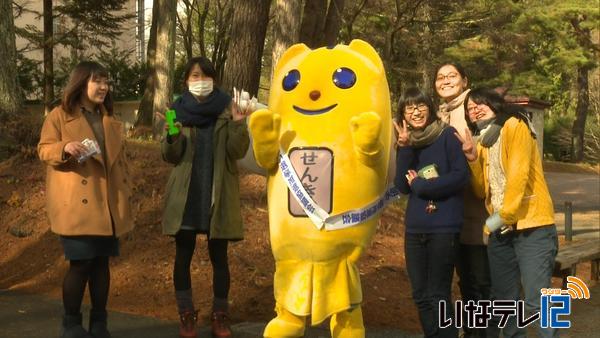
(328, 120)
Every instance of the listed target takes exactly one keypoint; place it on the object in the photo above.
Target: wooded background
(547, 50)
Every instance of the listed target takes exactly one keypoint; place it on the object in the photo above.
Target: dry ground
(31, 257)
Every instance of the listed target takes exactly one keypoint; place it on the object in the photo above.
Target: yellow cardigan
(527, 201)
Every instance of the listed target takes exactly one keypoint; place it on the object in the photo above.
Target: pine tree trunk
(286, 28)
(321, 22)
(164, 59)
(333, 23)
(48, 57)
(583, 102)
(145, 110)
(10, 101)
(426, 57)
(249, 27)
(141, 30)
(313, 21)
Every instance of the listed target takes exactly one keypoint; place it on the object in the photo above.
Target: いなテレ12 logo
(555, 303)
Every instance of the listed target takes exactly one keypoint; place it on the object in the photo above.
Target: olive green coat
(231, 141)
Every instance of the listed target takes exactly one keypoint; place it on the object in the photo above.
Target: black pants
(430, 262)
(185, 242)
(475, 284)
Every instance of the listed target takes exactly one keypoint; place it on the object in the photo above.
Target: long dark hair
(205, 65)
(78, 80)
(416, 96)
(502, 109)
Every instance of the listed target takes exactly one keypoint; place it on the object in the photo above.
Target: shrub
(20, 134)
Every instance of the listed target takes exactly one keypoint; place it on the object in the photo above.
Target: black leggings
(185, 242)
(94, 272)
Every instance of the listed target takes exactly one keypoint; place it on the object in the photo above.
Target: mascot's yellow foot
(285, 325)
(347, 324)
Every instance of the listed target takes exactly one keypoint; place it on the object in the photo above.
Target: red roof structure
(522, 100)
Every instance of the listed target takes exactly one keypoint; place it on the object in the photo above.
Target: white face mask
(200, 88)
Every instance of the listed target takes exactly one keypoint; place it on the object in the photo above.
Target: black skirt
(89, 247)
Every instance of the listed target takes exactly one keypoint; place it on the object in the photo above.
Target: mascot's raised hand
(365, 130)
(264, 126)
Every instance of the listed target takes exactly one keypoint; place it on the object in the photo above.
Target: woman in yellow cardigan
(507, 172)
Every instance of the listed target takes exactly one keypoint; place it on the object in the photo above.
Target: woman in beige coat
(451, 85)
(88, 198)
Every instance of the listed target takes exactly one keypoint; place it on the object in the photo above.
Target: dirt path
(585, 315)
(36, 316)
(583, 190)
(31, 260)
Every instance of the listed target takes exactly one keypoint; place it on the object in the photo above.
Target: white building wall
(127, 40)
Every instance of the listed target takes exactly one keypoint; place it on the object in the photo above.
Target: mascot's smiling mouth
(314, 112)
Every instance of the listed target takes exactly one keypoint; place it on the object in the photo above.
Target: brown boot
(187, 324)
(220, 325)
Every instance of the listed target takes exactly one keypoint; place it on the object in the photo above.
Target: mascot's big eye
(344, 78)
(291, 80)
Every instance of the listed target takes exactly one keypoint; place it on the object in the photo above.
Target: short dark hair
(456, 65)
(205, 65)
(459, 69)
(78, 80)
(415, 96)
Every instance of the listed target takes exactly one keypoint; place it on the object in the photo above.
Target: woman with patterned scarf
(432, 170)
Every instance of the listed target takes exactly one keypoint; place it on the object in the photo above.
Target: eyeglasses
(473, 108)
(411, 109)
(449, 76)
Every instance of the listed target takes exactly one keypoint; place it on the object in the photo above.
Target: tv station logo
(555, 306)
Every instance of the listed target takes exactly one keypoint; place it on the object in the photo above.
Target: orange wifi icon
(577, 288)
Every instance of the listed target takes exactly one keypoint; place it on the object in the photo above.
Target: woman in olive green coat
(231, 142)
(203, 194)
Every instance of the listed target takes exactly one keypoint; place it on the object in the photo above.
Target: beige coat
(475, 213)
(81, 198)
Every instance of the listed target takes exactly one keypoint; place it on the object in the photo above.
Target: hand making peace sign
(468, 145)
(403, 133)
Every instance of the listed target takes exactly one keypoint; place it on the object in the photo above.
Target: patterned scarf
(446, 108)
(420, 138)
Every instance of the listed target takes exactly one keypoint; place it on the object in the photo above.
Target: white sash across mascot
(329, 111)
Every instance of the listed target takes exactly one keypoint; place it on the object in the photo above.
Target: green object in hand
(428, 172)
(170, 118)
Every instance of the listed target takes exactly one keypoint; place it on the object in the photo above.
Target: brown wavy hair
(78, 80)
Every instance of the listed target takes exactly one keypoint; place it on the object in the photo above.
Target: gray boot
(98, 327)
(71, 327)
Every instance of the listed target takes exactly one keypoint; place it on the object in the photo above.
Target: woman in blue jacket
(431, 168)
